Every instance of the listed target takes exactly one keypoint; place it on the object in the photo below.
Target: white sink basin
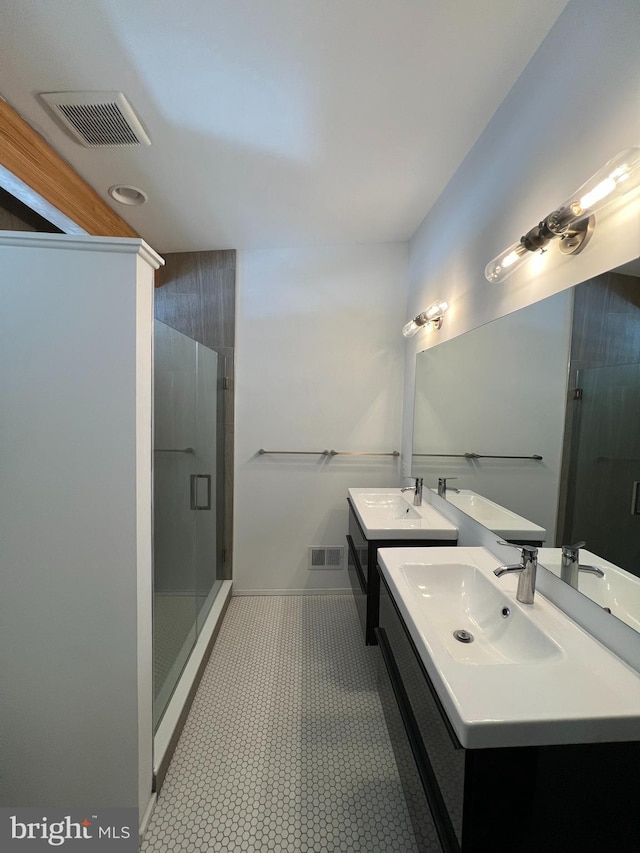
(389, 513)
(497, 518)
(388, 506)
(458, 596)
(533, 678)
(618, 590)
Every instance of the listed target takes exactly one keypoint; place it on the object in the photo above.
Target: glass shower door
(188, 504)
(207, 480)
(174, 570)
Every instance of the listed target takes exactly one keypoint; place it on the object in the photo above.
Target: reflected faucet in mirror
(442, 486)
(570, 565)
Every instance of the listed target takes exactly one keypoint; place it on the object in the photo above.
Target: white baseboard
(340, 591)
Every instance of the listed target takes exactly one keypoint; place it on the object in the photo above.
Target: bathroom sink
(618, 590)
(459, 597)
(497, 518)
(389, 506)
(389, 513)
(530, 677)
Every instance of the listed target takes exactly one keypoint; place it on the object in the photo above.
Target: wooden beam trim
(31, 159)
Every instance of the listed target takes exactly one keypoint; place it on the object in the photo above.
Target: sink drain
(463, 636)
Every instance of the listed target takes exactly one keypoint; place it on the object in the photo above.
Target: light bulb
(617, 177)
(507, 262)
(432, 317)
(436, 310)
(410, 329)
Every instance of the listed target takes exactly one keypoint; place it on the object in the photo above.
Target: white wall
(480, 393)
(319, 366)
(576, 105)
(75, 521)
(318, 348)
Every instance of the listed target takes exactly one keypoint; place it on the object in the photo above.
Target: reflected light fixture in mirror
(432, 317)
(574, 220)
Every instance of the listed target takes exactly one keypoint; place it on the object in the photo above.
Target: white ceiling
(275, 122)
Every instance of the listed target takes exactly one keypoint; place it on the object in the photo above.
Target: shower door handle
(635, 498)
(195, 491)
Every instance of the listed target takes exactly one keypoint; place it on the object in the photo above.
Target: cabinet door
(358, 586)
(360, 547)
(432, 739)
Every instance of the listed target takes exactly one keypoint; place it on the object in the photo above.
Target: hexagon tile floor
(285, 748)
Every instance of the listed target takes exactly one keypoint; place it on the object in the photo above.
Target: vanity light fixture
(431, 317)
(574, 221)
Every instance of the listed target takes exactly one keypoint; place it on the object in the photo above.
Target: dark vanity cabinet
(578, 798)
(361, 564)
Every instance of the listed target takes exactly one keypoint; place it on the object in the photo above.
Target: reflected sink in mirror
(458, 596)
(618, 591)
(496, 518)
(562, 444)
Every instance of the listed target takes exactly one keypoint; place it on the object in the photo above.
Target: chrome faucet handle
(416, 484)
(573, 549)
(528, 550)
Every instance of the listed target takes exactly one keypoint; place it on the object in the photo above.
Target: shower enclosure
(188, 505)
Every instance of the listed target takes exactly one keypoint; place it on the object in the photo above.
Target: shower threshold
(173, 719)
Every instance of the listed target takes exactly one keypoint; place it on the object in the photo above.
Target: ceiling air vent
(97, 119)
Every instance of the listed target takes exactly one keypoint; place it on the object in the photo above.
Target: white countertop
(573, 691)
(502, 521)
(389, 513)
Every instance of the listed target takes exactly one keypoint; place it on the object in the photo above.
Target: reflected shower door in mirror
(605, 506)
(188, 439)
(603, 417)
(557, 380)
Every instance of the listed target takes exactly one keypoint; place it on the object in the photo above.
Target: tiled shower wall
(195, 294)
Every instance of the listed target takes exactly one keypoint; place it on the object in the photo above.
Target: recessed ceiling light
(127, 195)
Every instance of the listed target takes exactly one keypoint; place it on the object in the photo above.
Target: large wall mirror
(539, 412)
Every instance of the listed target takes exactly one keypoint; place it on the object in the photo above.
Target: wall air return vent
(326, 558)
(97, 119)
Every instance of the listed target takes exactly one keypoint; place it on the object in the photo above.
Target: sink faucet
(570, 565)
(442, 486)
(417, 491)
(526, 570)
